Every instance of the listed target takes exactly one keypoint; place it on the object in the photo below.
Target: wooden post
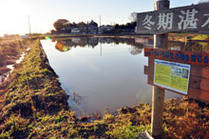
(160, 41)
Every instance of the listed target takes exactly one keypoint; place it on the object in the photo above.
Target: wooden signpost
(191, 19)
(178, 71)
(198, 87)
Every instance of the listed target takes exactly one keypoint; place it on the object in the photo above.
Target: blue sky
(43, 13)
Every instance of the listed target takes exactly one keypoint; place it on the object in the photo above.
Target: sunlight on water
(47, 38)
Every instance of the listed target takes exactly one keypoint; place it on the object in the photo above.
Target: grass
(11, 49)
(33, 94)
(201, 37)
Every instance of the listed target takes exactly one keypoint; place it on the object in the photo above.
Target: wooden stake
(160, 41)
(157, 111)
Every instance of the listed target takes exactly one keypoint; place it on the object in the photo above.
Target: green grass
(201, 37)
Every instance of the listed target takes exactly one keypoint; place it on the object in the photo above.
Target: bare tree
(133, 16)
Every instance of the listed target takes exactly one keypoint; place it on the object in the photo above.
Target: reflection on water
(64, 45)
(100, 73)
(191, 46)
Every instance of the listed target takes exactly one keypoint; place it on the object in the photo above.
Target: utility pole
(160, 41)
(99, 28)
(29, 26)
(100, 21)
(100, 49)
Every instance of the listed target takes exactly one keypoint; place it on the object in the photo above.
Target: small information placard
(171, 75)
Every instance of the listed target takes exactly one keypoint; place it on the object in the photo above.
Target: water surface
(100, 74)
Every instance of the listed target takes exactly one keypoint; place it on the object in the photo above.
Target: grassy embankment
(35, 106)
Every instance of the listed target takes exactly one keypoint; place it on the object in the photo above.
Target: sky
(14, 14)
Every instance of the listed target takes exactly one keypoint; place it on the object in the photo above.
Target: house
(75, 30)
(105, 28)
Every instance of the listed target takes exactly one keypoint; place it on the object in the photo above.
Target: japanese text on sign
(178, 56)
(193, 18)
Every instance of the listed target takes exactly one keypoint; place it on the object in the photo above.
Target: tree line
(64, 26)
